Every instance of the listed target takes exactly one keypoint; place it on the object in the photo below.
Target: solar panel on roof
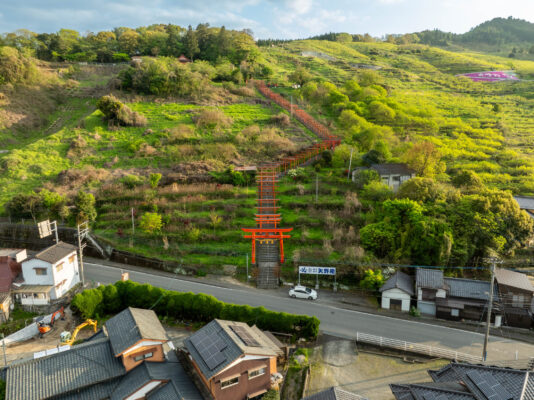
(245, 336)
(210, 348)
(489, 386)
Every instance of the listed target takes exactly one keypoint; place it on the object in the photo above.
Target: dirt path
(49, 341)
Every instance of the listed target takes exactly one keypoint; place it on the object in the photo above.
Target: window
(455, 312)
(40, 271)
(256, 372)
(230, 382)
(143, 356)
(59, 267)
(71, 259)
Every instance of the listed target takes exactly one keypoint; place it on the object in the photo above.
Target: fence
(418, 348)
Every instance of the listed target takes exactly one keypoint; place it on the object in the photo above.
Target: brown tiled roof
(56, 252)
(513, 279)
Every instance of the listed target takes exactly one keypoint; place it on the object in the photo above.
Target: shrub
(154, 180)
(363, 177)
(151, 223)
(213, 119)
(117, 113)
(415, 312)
(281, 119)
(196, 307)
(132, 181)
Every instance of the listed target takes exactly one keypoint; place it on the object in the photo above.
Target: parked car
(302, 292)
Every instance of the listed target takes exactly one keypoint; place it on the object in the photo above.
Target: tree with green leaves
(154, 180)
(84, 204)
(191, 48)
(151, 223)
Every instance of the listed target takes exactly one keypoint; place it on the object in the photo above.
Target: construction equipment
(68, 339)
(47, 327)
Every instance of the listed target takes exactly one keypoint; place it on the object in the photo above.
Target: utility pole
(247, 267)
(316, 188)
(488, 318)
(4, 349)
(350, 164)
(133, 223)
(83, 231)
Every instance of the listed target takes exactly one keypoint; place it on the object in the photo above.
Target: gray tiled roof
(182, 387)
(511, 380)
(528, 393)
(468, 288)
(334, 393)
(401, 281)
(132, 325)
(514, 279)
(95, 392)
(231, 352)
(178, 383)
(429, 278)
(392, 169)
(56, 252)
(430, 391)
(80, 367)
(525, 203)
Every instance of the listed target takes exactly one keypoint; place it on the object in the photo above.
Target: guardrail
(418, 348)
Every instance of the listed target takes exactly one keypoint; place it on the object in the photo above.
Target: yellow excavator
(68, 339)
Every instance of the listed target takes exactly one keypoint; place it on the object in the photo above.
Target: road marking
(500, 339)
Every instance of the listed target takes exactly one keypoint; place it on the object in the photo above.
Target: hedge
(110, 299)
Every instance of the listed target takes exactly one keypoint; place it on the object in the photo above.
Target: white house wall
(396, 294)
(31, 278)
(69, 274)
(144, 343)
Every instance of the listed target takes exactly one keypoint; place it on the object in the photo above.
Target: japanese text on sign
(317, 270)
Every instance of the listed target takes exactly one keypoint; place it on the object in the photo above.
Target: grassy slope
(417, 76)
(422, 77)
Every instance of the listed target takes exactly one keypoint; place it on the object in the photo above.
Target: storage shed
(397, 292)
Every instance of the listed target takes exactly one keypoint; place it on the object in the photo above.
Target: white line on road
(320, 305)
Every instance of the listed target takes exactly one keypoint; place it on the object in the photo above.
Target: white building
(392, 175)
(397, 292)
(48, 275)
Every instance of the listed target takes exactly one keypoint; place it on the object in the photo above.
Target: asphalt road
(334, 320)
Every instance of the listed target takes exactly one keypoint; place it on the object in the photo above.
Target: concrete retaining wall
(26, 333)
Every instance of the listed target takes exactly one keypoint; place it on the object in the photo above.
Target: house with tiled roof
(429, 286)
(48, 275)
(397, 292)
(334, 393)
(516, 296)
(233, 360)
(467, 299)
(130, 358)
(10, 269)
(460, 381)
(392, 174)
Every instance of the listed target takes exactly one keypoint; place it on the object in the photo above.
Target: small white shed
(397, 292)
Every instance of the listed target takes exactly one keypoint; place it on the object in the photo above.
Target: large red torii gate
(267, 217)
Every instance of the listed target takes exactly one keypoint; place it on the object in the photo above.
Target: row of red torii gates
(268, 218)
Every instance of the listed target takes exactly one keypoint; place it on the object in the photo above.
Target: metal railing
(418, 348)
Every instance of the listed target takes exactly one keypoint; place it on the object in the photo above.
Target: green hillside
(388, 102)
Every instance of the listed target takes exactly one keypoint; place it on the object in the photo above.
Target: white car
(302, 292)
